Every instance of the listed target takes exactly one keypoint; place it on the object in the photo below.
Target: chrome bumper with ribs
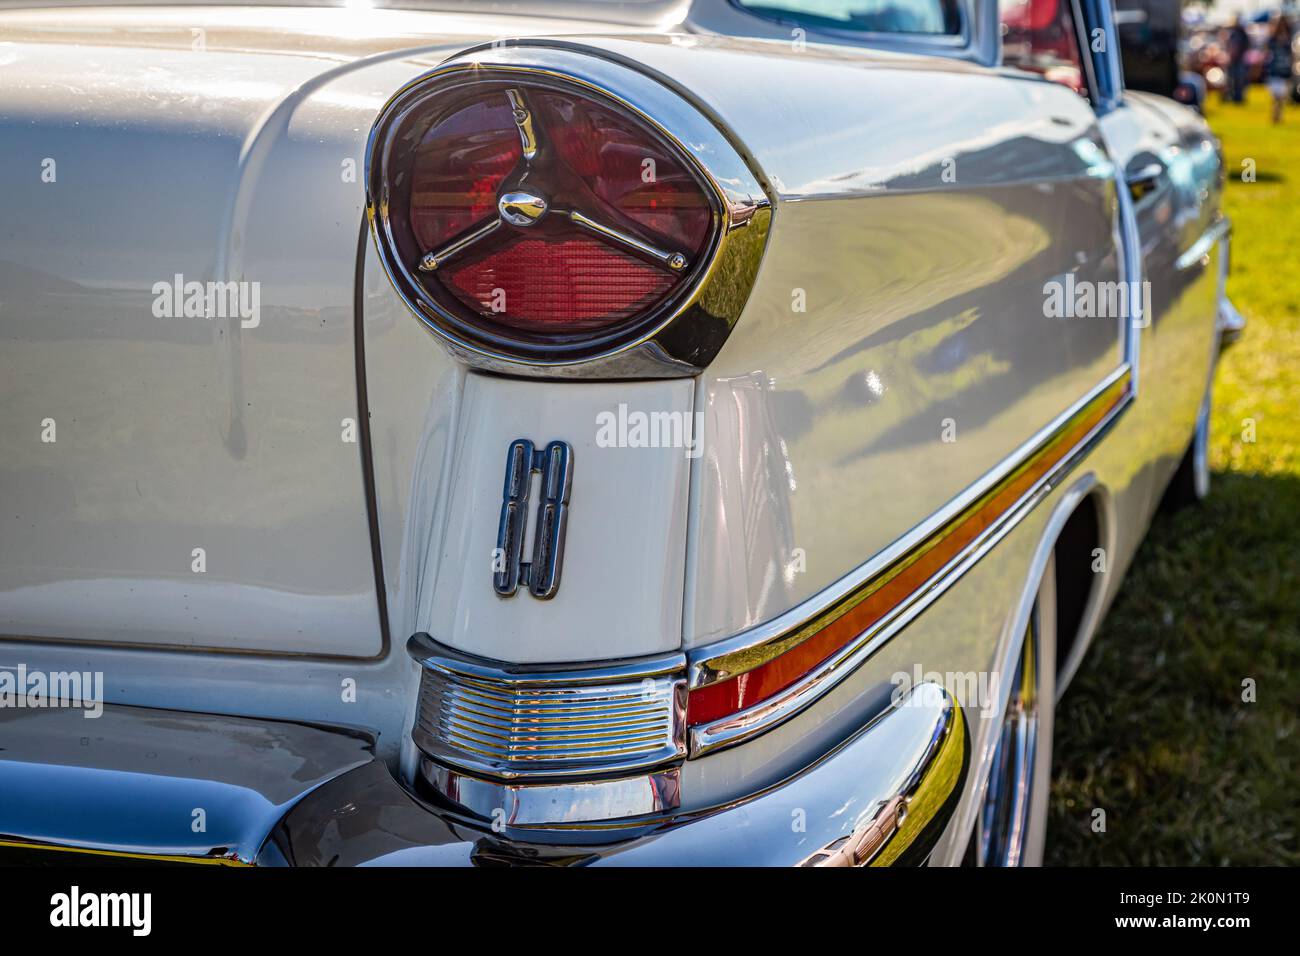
(152, 784)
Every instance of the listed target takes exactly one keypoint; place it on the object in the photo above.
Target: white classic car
(655, 432)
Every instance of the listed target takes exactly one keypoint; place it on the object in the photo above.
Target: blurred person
(1238, 70)
(1279, 64)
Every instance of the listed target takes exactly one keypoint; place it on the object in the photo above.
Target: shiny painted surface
(128, 781)
(793, 396)
(187, 142)
(1173, 219)
(918, 312)
(622, 578)
(178, 433)
(745, 685)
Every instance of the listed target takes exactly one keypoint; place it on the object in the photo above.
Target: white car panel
(620, 588)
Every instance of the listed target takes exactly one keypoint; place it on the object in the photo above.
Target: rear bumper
(283, 794)
(155, 784)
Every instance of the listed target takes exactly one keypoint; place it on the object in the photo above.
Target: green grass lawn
(1154, 730)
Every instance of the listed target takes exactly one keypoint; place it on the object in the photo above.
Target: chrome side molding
(868, 607)
(1198, 253)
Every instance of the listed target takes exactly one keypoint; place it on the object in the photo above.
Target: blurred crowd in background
(1224, 54)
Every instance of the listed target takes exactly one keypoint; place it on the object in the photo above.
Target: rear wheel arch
(1084, 548)
(1044, 579)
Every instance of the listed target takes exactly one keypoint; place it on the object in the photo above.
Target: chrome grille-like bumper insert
(515, 721)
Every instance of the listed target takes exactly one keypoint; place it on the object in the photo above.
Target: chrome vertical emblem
(542, 574)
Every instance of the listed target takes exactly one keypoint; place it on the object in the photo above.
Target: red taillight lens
(540, 220)
(628, 170)
(459, 166)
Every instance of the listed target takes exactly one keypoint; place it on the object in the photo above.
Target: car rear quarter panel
(174, 433)
(897, 345)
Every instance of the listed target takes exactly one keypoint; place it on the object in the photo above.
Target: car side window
(1040, 36)
(925, 17)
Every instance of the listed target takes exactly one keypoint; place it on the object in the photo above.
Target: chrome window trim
(1102, 13)
(710, 663)
(685, 340)
(980, 40)
(1081, 34)
(1134, 271)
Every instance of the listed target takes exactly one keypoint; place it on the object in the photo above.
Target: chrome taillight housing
(535, 218)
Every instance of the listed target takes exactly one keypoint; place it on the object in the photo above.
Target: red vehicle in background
(1039, 35)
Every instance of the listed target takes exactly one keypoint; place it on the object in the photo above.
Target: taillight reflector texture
(587, 284)
(536, 217)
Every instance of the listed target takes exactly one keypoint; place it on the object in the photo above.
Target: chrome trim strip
(1228, 321)
(423, 647)
(1130, 243)
(432, 260)
(751, 649)
(1085, 54)
(1199, 251)
(549, 805)
(524, 120)
(50, 853)
(1110, 66)
(818, 604)
(669, 260)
